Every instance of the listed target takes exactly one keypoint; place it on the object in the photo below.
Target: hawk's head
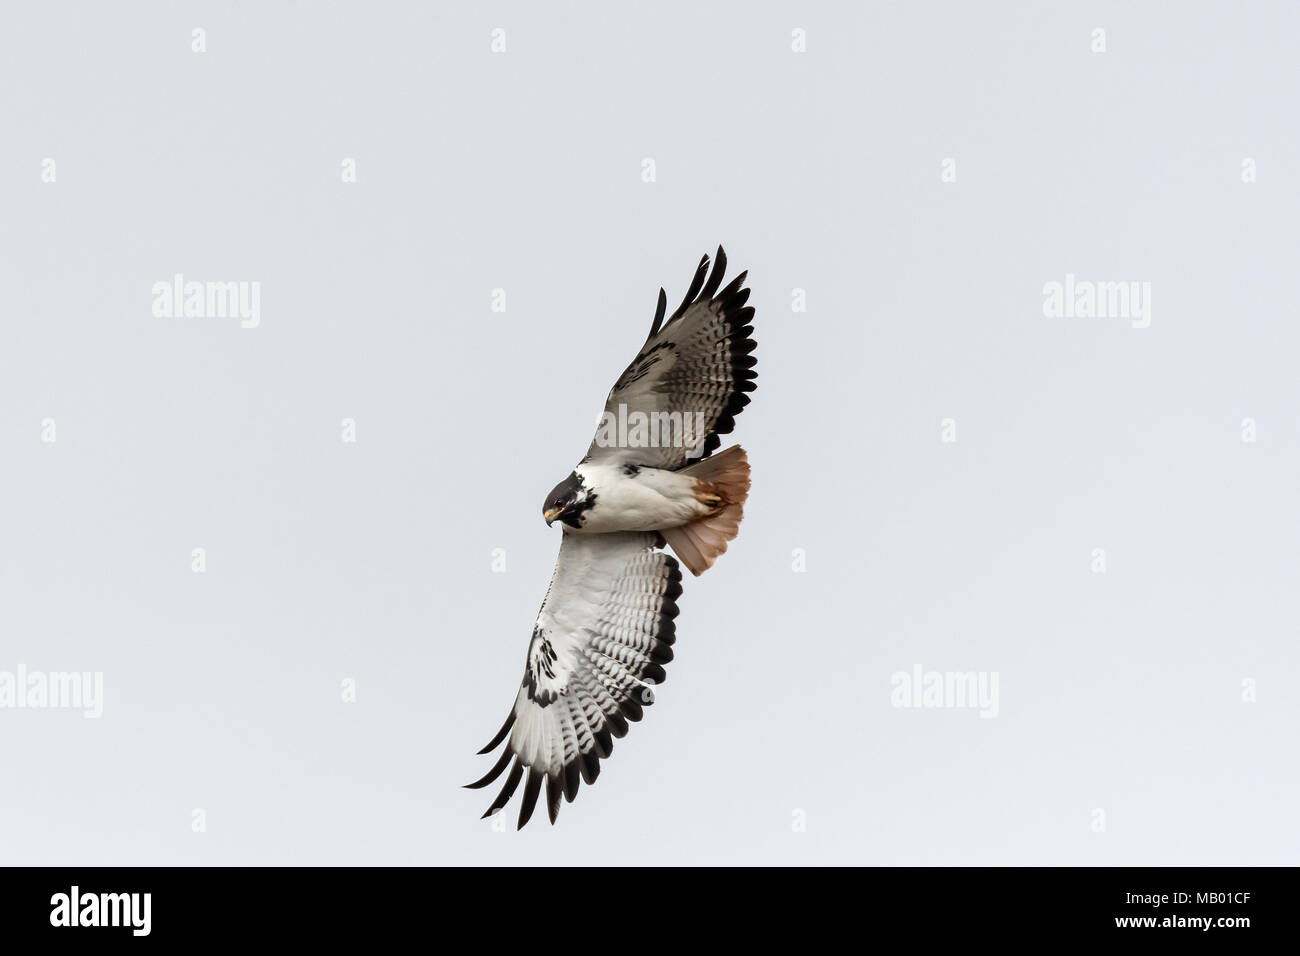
(569, 501)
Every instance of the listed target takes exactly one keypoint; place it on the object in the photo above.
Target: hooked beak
(550, 515)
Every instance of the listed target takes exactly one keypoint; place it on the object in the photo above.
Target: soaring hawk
(651, 477)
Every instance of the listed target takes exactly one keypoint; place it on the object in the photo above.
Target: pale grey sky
(823, 171)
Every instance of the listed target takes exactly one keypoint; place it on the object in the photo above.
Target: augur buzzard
(651, 477)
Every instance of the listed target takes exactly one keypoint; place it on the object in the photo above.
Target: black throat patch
(577, 513)
(569, 495)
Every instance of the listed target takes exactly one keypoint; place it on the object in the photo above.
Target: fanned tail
(726, 477)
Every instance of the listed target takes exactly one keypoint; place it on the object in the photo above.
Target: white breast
(648, 500)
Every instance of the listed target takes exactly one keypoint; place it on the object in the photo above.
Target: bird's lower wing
(601, 639)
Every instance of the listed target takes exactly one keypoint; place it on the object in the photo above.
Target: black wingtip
(654, 674)
(697, 284)
(715, 277)
(501, 734)
(631, 708)
(571, 777)
(617, 725)
(589, 767)
(660, 309)
(531, 790)
(554, 794)
(492, 774)
(507, 791)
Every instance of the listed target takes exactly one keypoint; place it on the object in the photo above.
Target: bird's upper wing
(601, 639)
(689, 381)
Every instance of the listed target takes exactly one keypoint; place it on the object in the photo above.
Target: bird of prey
(650, 478)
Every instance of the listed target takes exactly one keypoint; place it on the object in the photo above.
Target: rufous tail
(723, 479)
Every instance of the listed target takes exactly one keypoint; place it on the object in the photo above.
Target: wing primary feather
(631, 707)
(696, 284)
(733, 287)
(590, 767)
(617, 724)
(554, 793)
(715, 277)
(501, 734)
(571, 778)
(660, 309)
(531, 789)
(493, 773)
(507, 791)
